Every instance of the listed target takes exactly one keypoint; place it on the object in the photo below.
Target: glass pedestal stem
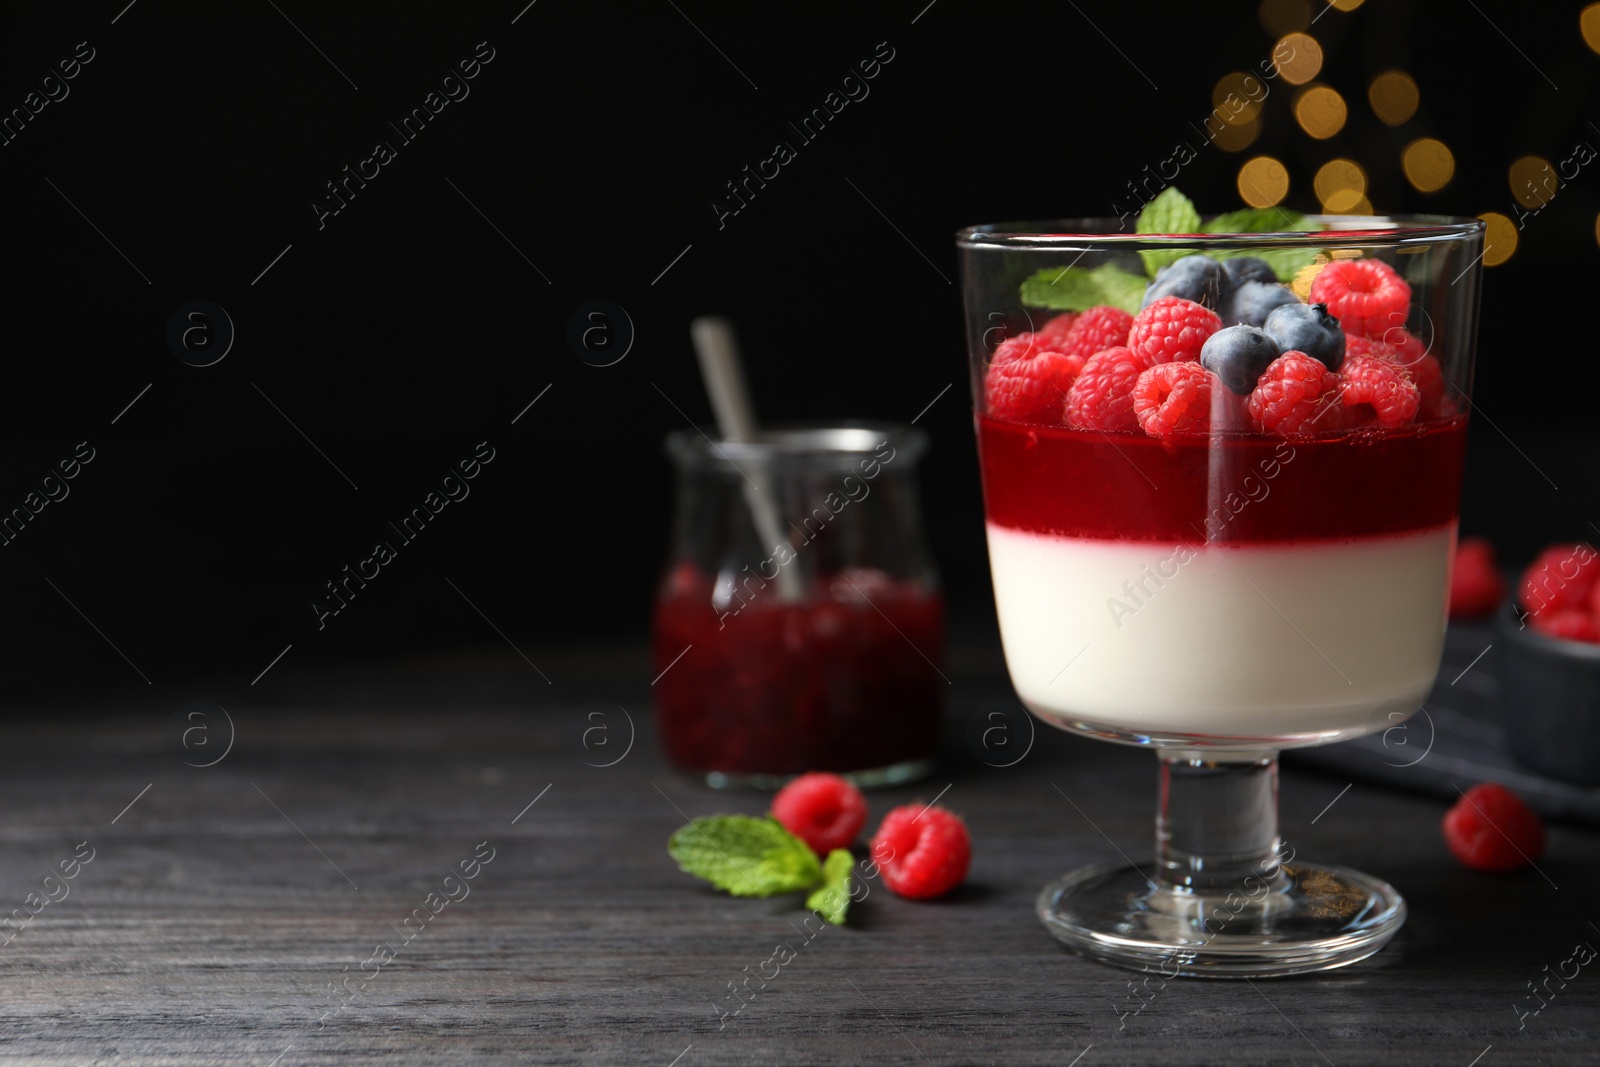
(1217, 825)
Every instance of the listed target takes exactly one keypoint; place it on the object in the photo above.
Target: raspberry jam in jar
(799, 624)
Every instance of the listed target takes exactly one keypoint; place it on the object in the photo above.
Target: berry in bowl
(1550, 665)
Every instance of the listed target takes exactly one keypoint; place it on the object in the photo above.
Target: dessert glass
(1221, 595)
(799, 624)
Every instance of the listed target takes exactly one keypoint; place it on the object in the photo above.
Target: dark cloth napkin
(1456, 741)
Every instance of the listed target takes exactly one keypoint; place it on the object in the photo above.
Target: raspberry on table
(823, 810)
(1367, 296)
(1491, 829)
(1031, 385)
(1569, 624)
(1097, 329)
(1172, 328)
(1059, 325)
(1375, 391)
(1102, 396)
(1296, 396)
(1476, 587)
(1562, 577)
(922, 852)
(1172, 398)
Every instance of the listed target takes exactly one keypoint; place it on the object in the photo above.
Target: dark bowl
(1550, 700)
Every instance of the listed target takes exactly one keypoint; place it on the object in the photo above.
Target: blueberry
(1238, 355)
(1253, 301)
(1310, 329)
(1195, 277)
(1241, 269)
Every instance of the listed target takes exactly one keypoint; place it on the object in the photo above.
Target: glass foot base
(872, 778)
(1308, 918)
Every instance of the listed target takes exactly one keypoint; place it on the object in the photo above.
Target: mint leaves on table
(752, 857)
(832, 899)
(1169, 212)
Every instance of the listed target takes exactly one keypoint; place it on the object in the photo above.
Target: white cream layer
(1291, 643)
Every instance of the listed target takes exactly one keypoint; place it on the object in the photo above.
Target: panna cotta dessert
(1228, 517)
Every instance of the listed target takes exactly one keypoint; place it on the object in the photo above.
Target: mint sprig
(1169, 212)
(748, 857)
(1285, 262)
(1081, 288)
(832, 899)
(1258, 220)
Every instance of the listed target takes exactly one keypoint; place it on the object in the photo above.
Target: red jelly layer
(828, 683)
(1083, 483)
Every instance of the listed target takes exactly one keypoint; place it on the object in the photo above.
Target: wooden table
(225, 910)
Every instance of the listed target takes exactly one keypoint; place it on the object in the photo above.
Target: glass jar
(799, 624)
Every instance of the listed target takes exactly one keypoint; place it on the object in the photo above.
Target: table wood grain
(226, 909)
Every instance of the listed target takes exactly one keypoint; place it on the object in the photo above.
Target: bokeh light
(1499, 238)
(1344, 5)
(1320, 111)
(1394, 96)
(1279, 17)
(1304, 57)
(1428, 164)
(1533, 181)
(1237, 138)
(1263, 182)
(1339, 185)
(1241, 87)
(1588, 21)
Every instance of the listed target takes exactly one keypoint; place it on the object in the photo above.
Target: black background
(407, 329)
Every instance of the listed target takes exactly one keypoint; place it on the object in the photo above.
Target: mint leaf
(833, 898)
(1080, 288)
(1258, 220)
(748, 857)
(1285, 262)
(1169, 212)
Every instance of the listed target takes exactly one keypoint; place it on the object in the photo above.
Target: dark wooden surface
(221, 909)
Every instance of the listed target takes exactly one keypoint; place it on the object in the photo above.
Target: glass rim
(817, 444)
(1337, 231)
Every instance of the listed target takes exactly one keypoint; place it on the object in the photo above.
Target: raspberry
(1058, 326)
(1476, 587)
(1568, 624)
(1022, 346)
(923, 852)
(1404, 341)
(1172, 328)
(1102, 396)
(1173, 398)
(1491, 829)
(1296, 396)
(1375, 391)
(1409, 355)
(1564, 576)
(1099, 328)
(1365, 295)
(1031, 386)
(823, 810)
